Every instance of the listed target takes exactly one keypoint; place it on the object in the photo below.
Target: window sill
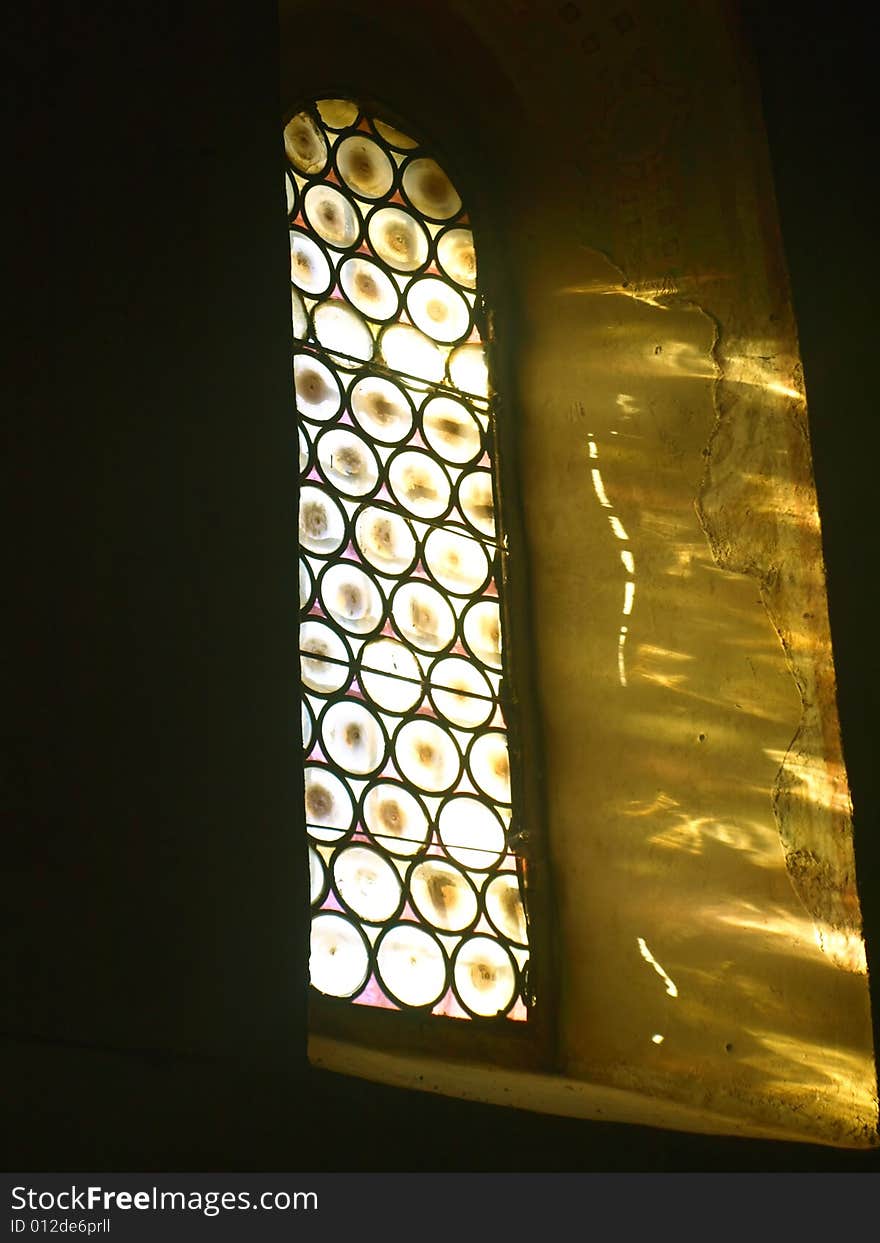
(773, 1117)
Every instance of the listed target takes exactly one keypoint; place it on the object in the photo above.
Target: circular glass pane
(485, 976)
(306, 586)
(489, 762)
(329, 809)
(504, 907)
(481, 628)
(468, 370)
(437, 309)
(381, 409)
(364, 167)
(347, 462)
(477, 502)
(471, 833)
(321, 521)
(430, 191)
(353, 738)
(317, 389)
(385, 540)
(398, 239)
(367, 883)
(324, 658)
(465, 699)
(303, 450)
(310, 269)
(351, 598)
(339, 962)
(308, 727)
(390, 675)
(333, 216)
(419, 483)
(457, 257)
(369, 289)
(304, 143)
(442, 895)
(298, 317)
(291, 192)
(412, 965)
(451, 430)
(410, 352)
(394, 137)
(456, 562)
(341, 330)
(422, 617)
(316, 876)
(395, 819)
(337, 113)
(426, 755)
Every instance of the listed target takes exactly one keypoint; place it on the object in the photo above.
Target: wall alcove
(709, 969)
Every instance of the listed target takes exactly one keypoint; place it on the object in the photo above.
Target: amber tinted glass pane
(414, 885)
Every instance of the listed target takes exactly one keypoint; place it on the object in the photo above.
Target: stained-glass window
(415, 888)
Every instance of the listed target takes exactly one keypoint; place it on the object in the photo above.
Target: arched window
(416, 891)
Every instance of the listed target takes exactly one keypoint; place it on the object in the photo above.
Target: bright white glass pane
(339, 962)
(367, 883)
(466, 700)
(471, 833)
(456, 562)
(353, 738)
(485, 976)
(436, 309)
(468, 371)
(396, 819)
(342, 331)
(427, 756)
(390, 675)
(412, 965)
(490, 766)
(411, 353)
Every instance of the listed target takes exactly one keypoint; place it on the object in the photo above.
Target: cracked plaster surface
(703, 808)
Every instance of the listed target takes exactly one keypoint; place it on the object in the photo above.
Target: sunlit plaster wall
(696, 801)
